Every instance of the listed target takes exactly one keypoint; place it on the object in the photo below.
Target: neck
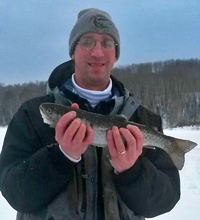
(94, 86)
(93, 96)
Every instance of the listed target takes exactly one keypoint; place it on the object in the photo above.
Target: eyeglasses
(88, 44)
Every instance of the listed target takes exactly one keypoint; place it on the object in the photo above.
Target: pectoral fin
(150, 147)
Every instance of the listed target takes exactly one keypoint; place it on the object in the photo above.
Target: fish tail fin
(181, 147)
(178, 157)
(185, 145)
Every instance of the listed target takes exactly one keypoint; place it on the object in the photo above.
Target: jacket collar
(64, 71)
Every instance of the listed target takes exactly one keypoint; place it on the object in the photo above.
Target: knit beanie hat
(93, 20)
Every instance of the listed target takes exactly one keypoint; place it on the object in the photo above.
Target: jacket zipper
(84, 178)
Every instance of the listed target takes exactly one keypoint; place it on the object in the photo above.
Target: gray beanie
(93, 20)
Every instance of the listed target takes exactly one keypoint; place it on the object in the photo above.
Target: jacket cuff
(70, 158)
(128, 176)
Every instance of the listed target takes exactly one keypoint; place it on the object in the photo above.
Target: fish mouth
(41, 110)
(49, 116)
(43, 114)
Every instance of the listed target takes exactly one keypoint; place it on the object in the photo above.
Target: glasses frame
(90, 49)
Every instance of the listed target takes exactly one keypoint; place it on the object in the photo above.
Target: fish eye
(49, 111)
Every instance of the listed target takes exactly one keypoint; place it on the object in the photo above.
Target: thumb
(75, 105)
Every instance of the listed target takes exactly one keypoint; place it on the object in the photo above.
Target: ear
(73, 56)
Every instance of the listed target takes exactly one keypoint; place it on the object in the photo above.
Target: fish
(174, 147)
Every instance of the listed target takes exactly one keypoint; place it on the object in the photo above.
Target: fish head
(50, 114)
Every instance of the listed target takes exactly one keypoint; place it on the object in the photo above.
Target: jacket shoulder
(35, 102)
(147, 117)
(29, 123)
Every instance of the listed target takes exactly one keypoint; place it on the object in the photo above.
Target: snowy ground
(188, 207)
(6, 211)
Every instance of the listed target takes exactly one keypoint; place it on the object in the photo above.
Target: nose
(97, 51)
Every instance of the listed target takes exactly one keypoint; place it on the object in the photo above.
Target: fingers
(111, 144)
(75, 132)
(89, 135)
(83, 135)
(138, 135)
(63, 123)
(73, 135)
(75, 105)
(120, 147)
(128, 139)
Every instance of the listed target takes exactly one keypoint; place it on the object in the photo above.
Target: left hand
(130, 149)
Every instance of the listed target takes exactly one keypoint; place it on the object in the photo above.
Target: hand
(73, 135)
(131, 147)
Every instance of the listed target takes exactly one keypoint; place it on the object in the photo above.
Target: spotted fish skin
(176, 148)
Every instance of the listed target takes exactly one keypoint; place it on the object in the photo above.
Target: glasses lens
(108, 45)
(87, 43)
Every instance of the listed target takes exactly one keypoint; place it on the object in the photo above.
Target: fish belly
(100, 138)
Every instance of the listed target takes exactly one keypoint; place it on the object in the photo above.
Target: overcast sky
(34, 34)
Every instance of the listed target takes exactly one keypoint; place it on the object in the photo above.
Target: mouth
(96, 64)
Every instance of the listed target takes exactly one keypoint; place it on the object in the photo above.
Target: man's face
(92, 68)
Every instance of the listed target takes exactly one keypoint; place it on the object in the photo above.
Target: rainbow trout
(176, 148)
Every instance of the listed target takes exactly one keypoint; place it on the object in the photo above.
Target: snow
(6, 211)
(188, 206)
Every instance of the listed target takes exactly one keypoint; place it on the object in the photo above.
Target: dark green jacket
(42, 184)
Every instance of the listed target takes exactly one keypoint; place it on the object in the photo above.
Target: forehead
(97, 36)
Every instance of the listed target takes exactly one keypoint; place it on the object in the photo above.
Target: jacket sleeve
(152, 186)
(31, 173)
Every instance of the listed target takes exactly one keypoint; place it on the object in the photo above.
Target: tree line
(170, 88)
(12, 96)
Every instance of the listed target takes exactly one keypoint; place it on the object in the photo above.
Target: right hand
(73, 135)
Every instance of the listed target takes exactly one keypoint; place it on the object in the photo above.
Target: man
(57, 174)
